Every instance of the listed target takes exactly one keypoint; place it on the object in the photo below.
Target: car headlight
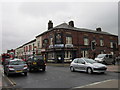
(95, 67)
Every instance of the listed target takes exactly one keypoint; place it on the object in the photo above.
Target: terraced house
(65, 42)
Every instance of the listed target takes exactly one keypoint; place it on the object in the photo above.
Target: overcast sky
(22, 21)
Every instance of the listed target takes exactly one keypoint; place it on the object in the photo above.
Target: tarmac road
(59, 77)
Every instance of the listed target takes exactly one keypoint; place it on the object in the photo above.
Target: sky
(22, 21)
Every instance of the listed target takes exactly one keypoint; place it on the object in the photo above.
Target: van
(105, 58)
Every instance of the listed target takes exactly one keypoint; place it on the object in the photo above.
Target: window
(85, 53)
(26, 48)
(30, 48)
(38, 44)
(75, 60)
(51, 55)
(102, 52)
(81, 61)
(68, 54)
(101, 43)
(69, 40)
(86, 41)
(51, 41)
(111, 44)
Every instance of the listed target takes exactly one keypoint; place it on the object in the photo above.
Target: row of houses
(65, 42)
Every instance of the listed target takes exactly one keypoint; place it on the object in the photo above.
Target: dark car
(15, 66)
(36, 63)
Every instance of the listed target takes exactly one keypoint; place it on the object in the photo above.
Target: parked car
(36, 63)
(87, 65)
(15, 66)
(105, 59)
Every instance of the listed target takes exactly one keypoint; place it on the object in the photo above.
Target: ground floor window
(68, 54)
(85, 53)
(112, 53)
(50, 55)
(102, 52)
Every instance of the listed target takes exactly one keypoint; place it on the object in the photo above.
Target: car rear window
(17, 62)
(38, 58)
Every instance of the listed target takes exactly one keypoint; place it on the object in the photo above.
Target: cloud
(22, 21)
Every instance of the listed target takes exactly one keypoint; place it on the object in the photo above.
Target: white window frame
(68, 40)
(111, 44)
(86, 41)
(101, 42)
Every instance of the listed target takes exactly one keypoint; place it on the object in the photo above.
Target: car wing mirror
(83, 63)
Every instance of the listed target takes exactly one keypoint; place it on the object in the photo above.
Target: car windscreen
(101, 55)
(90, 61)
(17, 62)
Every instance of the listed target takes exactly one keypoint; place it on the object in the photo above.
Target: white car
(87, 65)
(105, 59)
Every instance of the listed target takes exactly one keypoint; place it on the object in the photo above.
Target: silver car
(105, 59)
(15, 66)
(87, 65)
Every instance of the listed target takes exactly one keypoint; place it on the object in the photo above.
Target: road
(59, 77)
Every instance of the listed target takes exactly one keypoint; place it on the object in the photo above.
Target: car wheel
(43, 69)
(89, 71)
(25, 73)
(102, 72)
(30, 69)
(72, 69)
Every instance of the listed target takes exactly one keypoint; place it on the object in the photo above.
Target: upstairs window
(51, 41)
(86, 41)
(101, 42)
(38, 44)
(111, 44)
(68, 40)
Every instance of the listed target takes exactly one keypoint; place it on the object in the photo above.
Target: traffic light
(93, 44)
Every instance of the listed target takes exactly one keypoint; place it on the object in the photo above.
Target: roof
(30, 42)
(26, 43)
(66, 26)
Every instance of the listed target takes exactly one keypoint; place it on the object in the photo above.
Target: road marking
(10, 80)
(4, 76)
(94, 83)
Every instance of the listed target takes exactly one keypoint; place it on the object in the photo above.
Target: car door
(81, 65)
(75, 64)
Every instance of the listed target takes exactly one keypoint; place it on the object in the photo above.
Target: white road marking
(95, 83)
(2, 72)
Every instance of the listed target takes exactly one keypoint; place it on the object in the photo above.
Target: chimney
(98, 29)
(50, 24)
(71, 23)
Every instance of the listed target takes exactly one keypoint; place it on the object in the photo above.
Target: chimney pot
(71, 23)
(50, 24)
(98, 29)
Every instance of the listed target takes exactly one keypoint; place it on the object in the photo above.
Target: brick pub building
(65, 42)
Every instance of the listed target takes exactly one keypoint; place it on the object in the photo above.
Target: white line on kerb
(94, 83)
(11, 81)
